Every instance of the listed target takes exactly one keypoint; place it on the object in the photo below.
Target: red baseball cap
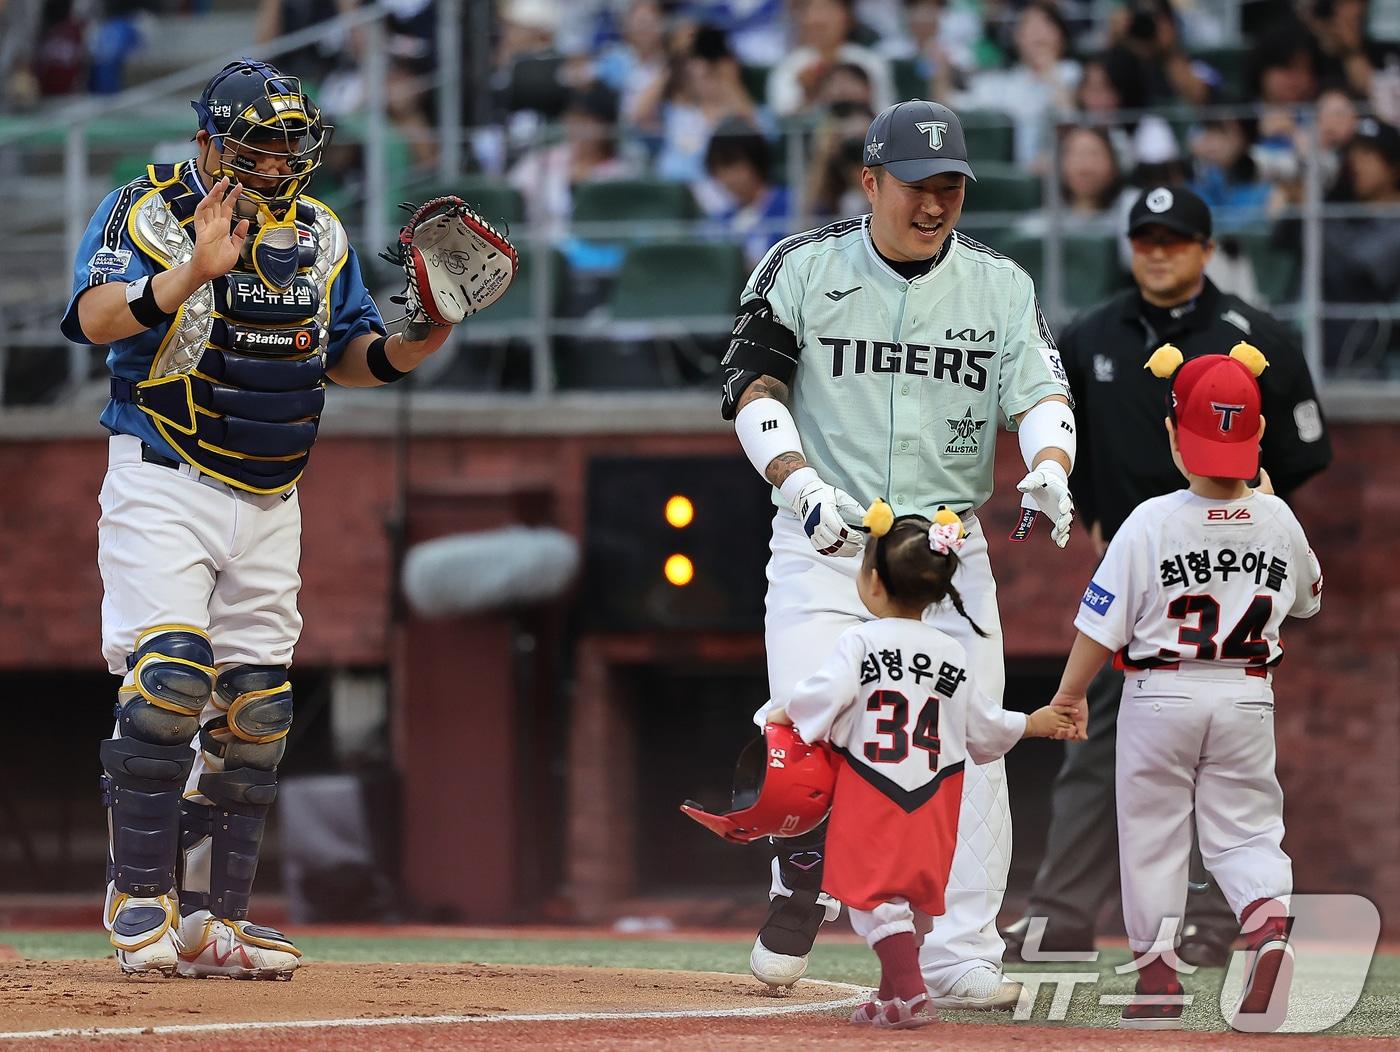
(1216, 405)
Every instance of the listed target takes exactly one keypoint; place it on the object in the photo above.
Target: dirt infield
(85, 1004)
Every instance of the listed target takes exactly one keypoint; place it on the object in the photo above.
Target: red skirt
(876, 851)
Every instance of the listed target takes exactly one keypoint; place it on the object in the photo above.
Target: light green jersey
(900, 385)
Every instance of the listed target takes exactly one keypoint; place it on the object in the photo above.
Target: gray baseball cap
(916, 139)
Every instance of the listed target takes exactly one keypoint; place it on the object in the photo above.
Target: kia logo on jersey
(1227, 515)
(1097, 599)
(1227, 414)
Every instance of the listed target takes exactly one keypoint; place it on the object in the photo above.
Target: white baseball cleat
(212, 947)
(983, 988)
(778, 970)
(142, 931)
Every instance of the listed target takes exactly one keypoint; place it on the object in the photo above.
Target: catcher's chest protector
(238, 383)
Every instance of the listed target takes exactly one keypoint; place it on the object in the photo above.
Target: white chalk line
(854, 996)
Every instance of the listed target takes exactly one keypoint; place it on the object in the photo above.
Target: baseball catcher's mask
(782, 787)
(252, 111)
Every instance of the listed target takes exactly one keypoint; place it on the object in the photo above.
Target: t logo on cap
(1227, 415)
(934, 130)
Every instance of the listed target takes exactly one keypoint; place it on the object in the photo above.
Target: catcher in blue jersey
(227, 297)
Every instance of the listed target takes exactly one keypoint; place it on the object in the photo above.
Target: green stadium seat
(1276, 270)
(990, 138)
(632, 200)
(908, 84)
(1002, 188)
(496, 201)
(1232, 63)
(755, 80)
(518, 304)
(679, 279)
(1090, 271)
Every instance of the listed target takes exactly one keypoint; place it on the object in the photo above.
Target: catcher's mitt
(456, 263)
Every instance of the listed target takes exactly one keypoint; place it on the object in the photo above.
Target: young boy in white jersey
(1189, 597)
(897, 705)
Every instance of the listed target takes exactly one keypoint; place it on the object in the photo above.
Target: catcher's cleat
(899, 1014)
(981, 989)
(211, 947)
(779, 956)
(1153, 1010)
(142, 931)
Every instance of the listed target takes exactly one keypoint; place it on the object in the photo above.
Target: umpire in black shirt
(1123, 460)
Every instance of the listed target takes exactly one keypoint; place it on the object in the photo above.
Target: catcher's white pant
(811, 601)
(1202, 734)
(177, 547)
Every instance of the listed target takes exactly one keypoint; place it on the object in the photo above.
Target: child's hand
(1076, 707)
(779, 716)
(1050, 722)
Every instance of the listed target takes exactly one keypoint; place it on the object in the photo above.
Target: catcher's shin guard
(796, 912)
(221, 826)
(148, 759)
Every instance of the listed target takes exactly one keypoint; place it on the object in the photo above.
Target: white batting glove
(1046, 489)
(828, 515)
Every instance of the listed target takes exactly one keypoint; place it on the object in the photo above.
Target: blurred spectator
(1347, 56)
(759, 212)
(823, 42)
(707, 88)
(122, 29)
(638, 62)
(1041, 82)
(527, 73)
(60, 64)
(1284, 66)
(1361, 254)
(331, 50)
(1147, 30)
(547, 175)
(1225, 175)
(1113, 82)
(19, 35)
(1096, 196)
(940, 41)
(847, 84)
(757, 29)
(838, 154)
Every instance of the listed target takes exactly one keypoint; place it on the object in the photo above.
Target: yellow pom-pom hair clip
(879, 519)
(1165, 361)
(946, 534)
(1250, 356)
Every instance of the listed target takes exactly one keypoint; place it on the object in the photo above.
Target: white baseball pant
(1202, 734)
(811, 600)
(178, 547)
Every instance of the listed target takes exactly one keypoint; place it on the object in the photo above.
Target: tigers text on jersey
(1189, 579)
(901, 385)
(896, 703)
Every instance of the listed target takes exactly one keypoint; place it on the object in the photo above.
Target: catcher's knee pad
(146, 766)
(172, 676)
(801, 859)
(220, 840)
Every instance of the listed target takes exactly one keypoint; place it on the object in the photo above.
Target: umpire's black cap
(916, 139)
(1174, 207)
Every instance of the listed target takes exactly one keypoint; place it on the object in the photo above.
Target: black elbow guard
(759, 345)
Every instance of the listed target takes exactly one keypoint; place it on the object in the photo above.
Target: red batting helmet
(782, 787)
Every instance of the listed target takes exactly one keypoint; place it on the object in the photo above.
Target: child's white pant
(890, 918)
(1202, 735)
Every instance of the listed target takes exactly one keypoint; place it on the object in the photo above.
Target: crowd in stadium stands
(710, 93)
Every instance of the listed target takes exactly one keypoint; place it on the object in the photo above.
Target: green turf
(1377, 1014)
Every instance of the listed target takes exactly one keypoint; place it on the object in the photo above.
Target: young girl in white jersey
(897, 705)
(1189, 599)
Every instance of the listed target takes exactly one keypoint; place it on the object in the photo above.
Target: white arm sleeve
(1047, 424)
(766, 430)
